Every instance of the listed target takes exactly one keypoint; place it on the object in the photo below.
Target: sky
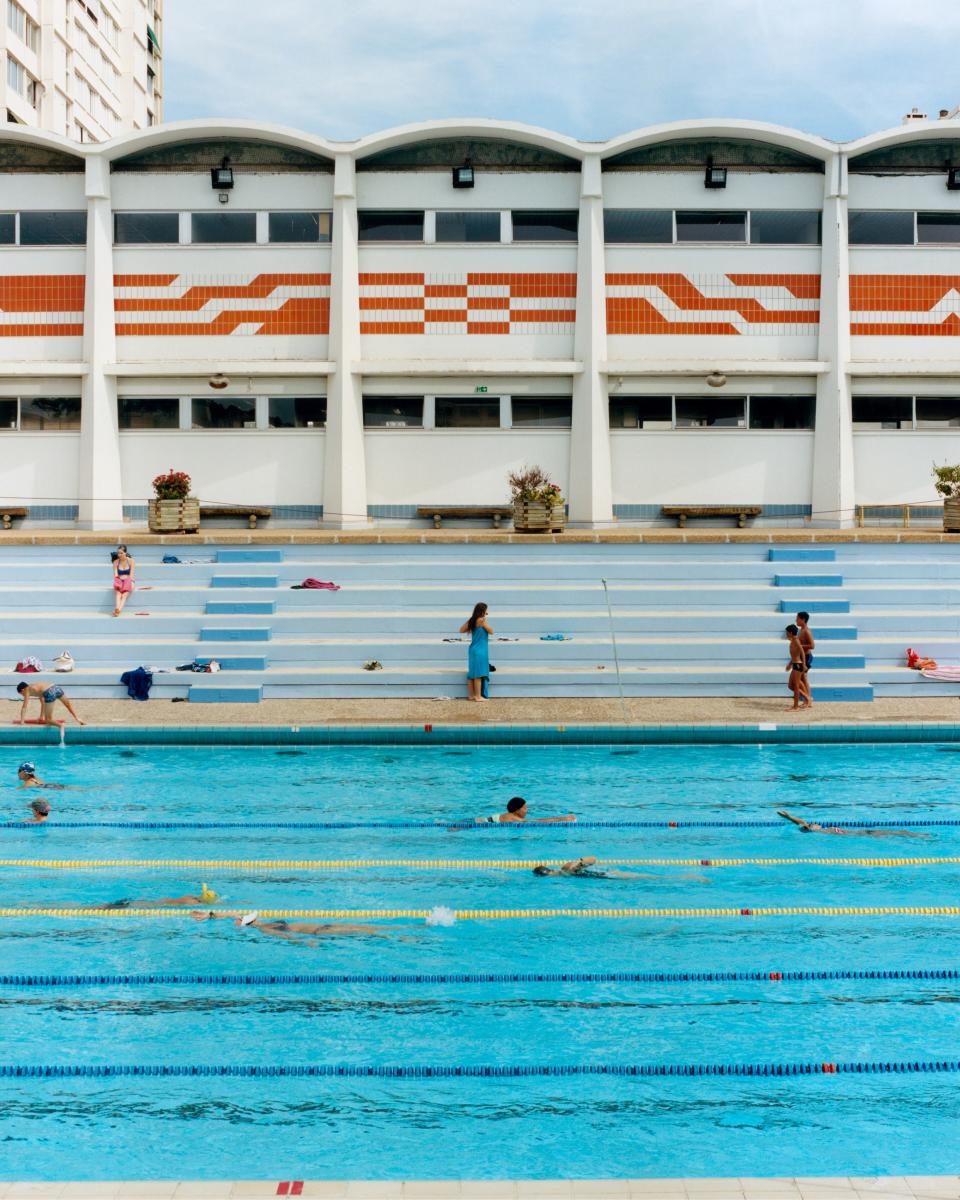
(345, 68)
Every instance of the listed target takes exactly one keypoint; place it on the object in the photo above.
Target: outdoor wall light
(218, 382)
(221, 178)
(716, 379)
(463, 176)
(953, 179)
(715, 177)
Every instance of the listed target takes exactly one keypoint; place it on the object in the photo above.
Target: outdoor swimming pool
(369, 1126)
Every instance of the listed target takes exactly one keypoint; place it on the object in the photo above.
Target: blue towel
(138, 683)
(555, 637)
(170, 558)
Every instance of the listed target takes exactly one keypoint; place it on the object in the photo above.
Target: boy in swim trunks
(517, 812)
(797, 666)
(47, 694)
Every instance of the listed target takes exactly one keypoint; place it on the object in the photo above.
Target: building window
(229, 412)
(50, 412)
(882, 412)
(297, 412)
(545, 225)
(938, 412)
(299, 226)
(8, 414)
(468, 227)
(390, 226)
(221, 227)
(461, 412)
(782, 412)
(711, 226)
(16, 77)
(641, 412)
(784, 227)
(143, 228)
(881, 228)
(541, 412)
(633, 225)
(26, 29)
(393, 412)
(136, 412)
(938, 227)
(710, 412)
(8, 229)
(53, 228)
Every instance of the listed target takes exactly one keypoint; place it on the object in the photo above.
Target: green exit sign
(480, 389)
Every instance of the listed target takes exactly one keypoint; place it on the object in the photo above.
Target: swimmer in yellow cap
(206, 896)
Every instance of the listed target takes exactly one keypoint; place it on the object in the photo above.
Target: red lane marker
(829, 1068)
(428, 729)
(706, 862)
(746, 912)
(775, 975)
(671, 824)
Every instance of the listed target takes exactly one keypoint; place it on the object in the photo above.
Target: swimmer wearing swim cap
(40, 810)
(27, 774)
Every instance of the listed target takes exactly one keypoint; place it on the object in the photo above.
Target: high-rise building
(86, 69)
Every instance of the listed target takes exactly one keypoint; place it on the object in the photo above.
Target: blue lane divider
(263, 979)
(471, 825)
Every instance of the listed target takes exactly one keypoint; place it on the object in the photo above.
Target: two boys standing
(802, 645)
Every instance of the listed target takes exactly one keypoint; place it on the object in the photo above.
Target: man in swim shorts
(584, 868)
(27, 774)
(517, 812)
(298, 931)
(813, 827)
(47, 694)
(40, 810)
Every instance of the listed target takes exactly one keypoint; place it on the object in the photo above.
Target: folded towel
(942, 674)
(555, 637)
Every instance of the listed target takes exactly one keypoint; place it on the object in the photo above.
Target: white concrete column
(345, 475)
(591, 490)
(833, 479)
(100, 500)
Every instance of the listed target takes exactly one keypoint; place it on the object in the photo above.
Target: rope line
(502, 914)
(447, 826)
(443, 864)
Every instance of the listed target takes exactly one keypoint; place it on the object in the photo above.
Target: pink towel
(942, 674)
(319, 583)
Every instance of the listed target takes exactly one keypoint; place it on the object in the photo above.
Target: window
(882, 412)
(393, 412)
(881, 228)
(547, 225)
(938, 227)
(392, 226)
(27, 30)
(785, 227)
(207, 227)
(16, 77)
(229, 412)
(710, 412)
(468, 227)
(782, 412)
(460, 412)
(162, 412)
(8, 229)
(132, 228)
(50, 412)
(638, 225)
(8, 414)
(938, 412)
(542, 412)
(641, 412)
(299, 226)
(297, 412)
(53, 228)
(711, 226)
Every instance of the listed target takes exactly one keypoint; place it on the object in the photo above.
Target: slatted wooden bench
(451, 512)
(9, 515)
(682, 511)
(209, 512)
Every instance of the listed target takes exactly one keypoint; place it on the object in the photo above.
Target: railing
(934, 509)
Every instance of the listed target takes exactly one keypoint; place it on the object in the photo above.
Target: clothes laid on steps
(316, 585)
(172, 558)
(555, 637)
(942, 674)
(138, 683)
(28, 666)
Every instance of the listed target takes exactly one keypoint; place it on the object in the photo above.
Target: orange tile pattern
(472, 302)
(189, 306)
(905, 305)
(41, 305)
(732, 304)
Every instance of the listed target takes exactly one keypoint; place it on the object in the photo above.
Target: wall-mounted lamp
(716, 379)
(463, 176)
(953, 179)
(218, 382)
(715, 177)
(221, 178)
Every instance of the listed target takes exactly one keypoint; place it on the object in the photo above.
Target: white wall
(684, 189)
(492, 189)
(39, 468)
(894, 466)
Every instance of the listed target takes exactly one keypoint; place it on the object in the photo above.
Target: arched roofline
(200, 130)
(454, 127)
(49, 141)
(754, 131)
(924, 131)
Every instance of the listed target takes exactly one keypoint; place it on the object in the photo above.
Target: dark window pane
(716, 412)
(143, 228)
(53, 228)
(882, 412)
(641, 412)
(209, 227)
(8, 414)
(50, 412)
(394, 226)
(457, 413)
(162, 412)
(545, 226)
(468, 227)
(938, 227)
(786, 227)
(299, 226)
(229, 412)
(938, 412)
(782, 412)
(711, 226)
(881, 229)
(298, 412)
(8, 229)
(545, 412)
(638, 225)
(393, 412)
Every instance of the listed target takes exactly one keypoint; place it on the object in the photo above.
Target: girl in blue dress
(478, 657)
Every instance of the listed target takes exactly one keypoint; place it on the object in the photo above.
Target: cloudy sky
(342, 68)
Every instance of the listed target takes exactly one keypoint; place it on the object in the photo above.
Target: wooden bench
(682, 511)
(9, 515)
(253, 514)
(464, 511)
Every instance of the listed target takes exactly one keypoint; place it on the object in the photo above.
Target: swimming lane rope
(442, 864)
(459, 826)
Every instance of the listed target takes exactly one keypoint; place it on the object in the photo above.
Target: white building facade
(391, 338)
(88, 70)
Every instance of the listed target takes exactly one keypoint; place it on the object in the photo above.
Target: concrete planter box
(174, 516)
(951, 515)
(538, 518)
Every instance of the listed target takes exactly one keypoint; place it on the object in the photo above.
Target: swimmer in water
(584, 868)
(517, 812)
(27, 774)
(813, 827)
(40, 810)
(299, 931)
(206, 896)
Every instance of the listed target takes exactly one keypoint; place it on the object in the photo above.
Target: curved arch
(192, 131)
(23, 135)
(454, 127)
(925, 131)
(757, 131)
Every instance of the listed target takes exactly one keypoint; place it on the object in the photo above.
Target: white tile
(141, 1189)
(882, 1185)
(943, 1187)
(549, 1187)
(431, 1189)
(872, 1195)
(373, 1189)
(323, 1187)
(601, 1187)
(662, 1187)
(35, 1191)
(91, 1190)
(203, 1189)
(811, 1191)
(494, 1189)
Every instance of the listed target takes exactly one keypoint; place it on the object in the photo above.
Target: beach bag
(64, 661)
(29, 666)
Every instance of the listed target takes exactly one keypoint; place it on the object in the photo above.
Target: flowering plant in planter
(947, 484)
(531, 485)
(175, 485)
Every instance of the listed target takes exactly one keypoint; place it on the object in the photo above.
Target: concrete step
(807, 581)
(211, 694)
(244, 581)
(249, 555)
(794, 554)
(236, 634)
(247, 608)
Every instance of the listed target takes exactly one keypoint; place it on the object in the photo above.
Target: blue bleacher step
(812, 606)
(259, 556)
(850, 693)
(834, 633)
(237, 664)
(225, 695)
(244, 581)
(785, 555)
(233, 608)
(808, 581)
(838, 662)
(254, 633)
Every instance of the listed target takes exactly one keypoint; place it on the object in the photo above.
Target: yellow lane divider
(445, 864)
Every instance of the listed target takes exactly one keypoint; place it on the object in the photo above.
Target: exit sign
(480, 389)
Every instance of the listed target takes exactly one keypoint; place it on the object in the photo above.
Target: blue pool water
(55, 1128)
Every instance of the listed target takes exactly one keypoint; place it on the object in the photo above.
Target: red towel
(319, 583)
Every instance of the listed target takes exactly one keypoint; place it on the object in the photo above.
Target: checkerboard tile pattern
(41, 305)
(905, 305)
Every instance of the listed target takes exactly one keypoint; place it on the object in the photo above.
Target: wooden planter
(951, 515)
(174, 516)
(538, 518)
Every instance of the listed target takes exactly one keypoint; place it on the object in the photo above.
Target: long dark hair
(479, 612)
